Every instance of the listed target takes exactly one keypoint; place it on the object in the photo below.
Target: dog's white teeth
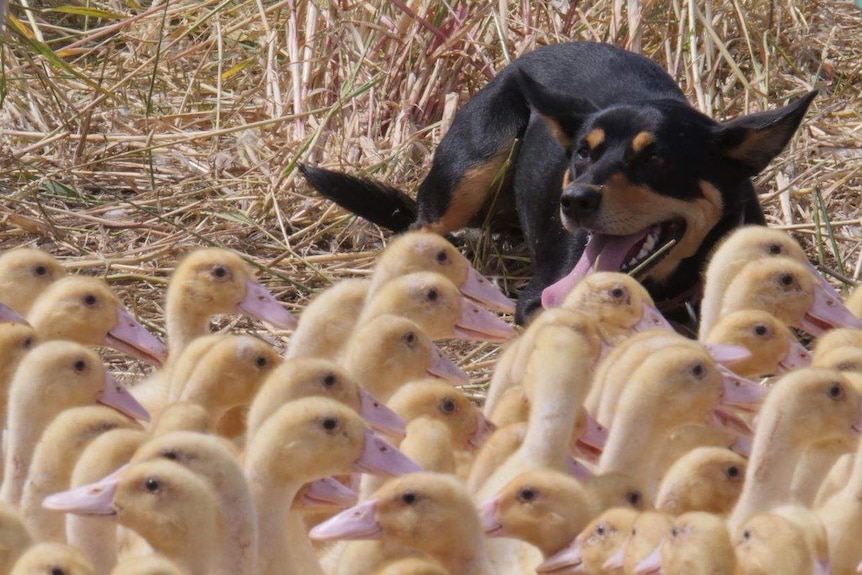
(650, 242)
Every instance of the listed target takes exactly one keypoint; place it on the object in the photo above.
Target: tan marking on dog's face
(557, 132)
(595, 138)
(468, 196)
(641, 141)
(628, 208)
(567, 178)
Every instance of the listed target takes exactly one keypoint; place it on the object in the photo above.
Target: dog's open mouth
(638, 253)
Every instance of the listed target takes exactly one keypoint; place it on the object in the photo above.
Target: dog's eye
(583, 152)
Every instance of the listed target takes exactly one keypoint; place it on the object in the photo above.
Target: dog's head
(641, 175)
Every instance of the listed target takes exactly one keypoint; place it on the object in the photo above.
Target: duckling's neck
(465, 552)
(633, 443)
(50, 472)
(238, 547)
(815, 463)
(283, 544)
(184, 325)
(96, 537)
(854, 482)
(774, 458)
(192, 553)
(710, 306)
(25, 426)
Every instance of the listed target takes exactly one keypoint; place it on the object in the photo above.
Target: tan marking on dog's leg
(595, 138)
(468, 196)
(641, 141)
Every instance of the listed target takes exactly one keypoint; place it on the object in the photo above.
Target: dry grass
(130, 133)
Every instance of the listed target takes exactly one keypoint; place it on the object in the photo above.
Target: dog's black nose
(578, 202)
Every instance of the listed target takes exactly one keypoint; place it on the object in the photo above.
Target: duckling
(62, 442)
(434, 303)
(429, 512)
(182, 416)
(24, 274)
(306, 377)
(412, 566)
(648, 529)
(705, 479)
(16, 340)
(96, 537)
(842, 516)
(165, 503)
(54, 376)
(768, 543)
(816, 537)
(790, 291)
(543, 507)
(389, 351)
(328, 320)
(803, 407)
(697, 544)
(592, 548)
(306, 439)
(685, 438)
(14, 536)
(746, 245)
(85, 310)
(837, 338)
(149, 565)
(211, 459)
(620, 305)
(226, 375)
(773, 347)
(52, 559)
(210, 281)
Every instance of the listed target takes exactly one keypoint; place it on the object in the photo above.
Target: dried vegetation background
(131, 132)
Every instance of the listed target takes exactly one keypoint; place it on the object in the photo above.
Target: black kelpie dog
(613, 164)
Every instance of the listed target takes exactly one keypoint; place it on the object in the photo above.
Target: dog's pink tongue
(611, 251)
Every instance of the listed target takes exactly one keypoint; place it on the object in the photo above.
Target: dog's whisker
(652, 257)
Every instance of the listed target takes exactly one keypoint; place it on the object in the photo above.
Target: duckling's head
(53, 559)
(768, 543)
(63, 374)
(694, 538)
(846, 359)
(207, 455)
(214, 280)
(182, 416)
(24, 274)
(439, 400)
(838, 337)
(424, 511)
(617, 301)
(749, 243)
(543, 507)
(315, 437)
(418, 251)
(612, 490)
(704, 479)
(647, 531)
(16, 340)
(87, 311)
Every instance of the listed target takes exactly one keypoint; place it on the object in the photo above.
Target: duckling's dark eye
(170, 454)
(774, 249)
(761, 330)
(674, 531)
(746, 534)
(433, 294)
(408, 498)
(442, 257)
(618, 293)
(698, 370)
(329, 424)
(220, 272)
(152, 485)
(583, 152)
(80, 365)
(57, 571)
(634, 498)
(447, 405)
(733, 472)
(89, 299)
(785, 279)
(260, 361)
(634, 531)
(527, 494)
(27, 343)
(330, 380)
(410, 338)
(836, 391)
(40, 270)
(600, 529)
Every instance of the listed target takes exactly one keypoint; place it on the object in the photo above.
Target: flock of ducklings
(608, 443)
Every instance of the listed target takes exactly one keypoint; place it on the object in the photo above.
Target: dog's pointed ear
(563, 112)
(754, 140)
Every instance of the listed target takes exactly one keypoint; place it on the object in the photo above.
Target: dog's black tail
(378, 203)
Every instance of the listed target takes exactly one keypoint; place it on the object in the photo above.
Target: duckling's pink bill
(382, 458)
(478, 288)
(358, 522)
(261, 304)
(567, 560)
(116, 396)
(93, 499)
(477, 323)
(590, 444)
(727, 354)
(130, 337)
(824, 567)
(488, 518)
(9, 315)
(827, 312)
(326, 492)
(380, 417)
(618, 559)
(444, 368)
(796, 357)
(652, 563)
(578, 470)
(740, 392)
(484, 429)
(651, 318)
